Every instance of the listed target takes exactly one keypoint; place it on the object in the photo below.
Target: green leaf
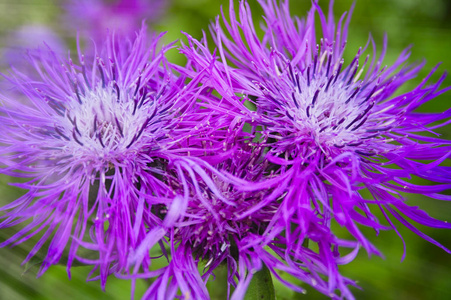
(261, 286)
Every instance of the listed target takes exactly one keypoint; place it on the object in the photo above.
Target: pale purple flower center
(103, 123)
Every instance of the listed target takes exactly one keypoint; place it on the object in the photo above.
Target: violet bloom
(211, 233)
(96, 140)
(95, 17)
(26, 37)
(331, 130)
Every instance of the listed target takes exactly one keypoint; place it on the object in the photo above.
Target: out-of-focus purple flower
(330, 130)
(27, 37)
(97, 140)
(95, 17)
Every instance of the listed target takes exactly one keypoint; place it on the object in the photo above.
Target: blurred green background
(426, 271)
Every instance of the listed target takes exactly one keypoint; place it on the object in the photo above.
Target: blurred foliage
(426, 271)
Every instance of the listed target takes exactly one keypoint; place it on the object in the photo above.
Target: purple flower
(26, 37)
(340, 144)
(95, 17)
(240, 231)
(96, 141)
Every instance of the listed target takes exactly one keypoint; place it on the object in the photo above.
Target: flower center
(105, 121)
(325, 106)
(329, 113)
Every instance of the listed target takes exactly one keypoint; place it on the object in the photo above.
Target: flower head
(331, 130)
(97, 140)
(239, 231)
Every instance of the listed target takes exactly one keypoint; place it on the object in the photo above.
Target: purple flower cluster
(243, 158)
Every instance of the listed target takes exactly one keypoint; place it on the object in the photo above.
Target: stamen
(315, 97)
(360, 124)
(297, 83)
(153, 113)
(95, 124)
(100, 67)
(61, 134)
(99, 137)
(364, 153)
(57, 107)
(137, 86)
(353, 74)
(355, 144)
(369, 137)
(77, 93)
(118, 93)
(75, 126)
(143, 97)
(293, 96)
(139, 133)
(329, 60)
(370, 94)
(353, 94)
(379, 129)
(75, 138)
(353, 121)
(135, 105)
(329, 81)
(119, 127)
(290, 69)
(113, 69)
(338, 70)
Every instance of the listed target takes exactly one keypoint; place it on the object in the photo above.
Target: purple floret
(332, 132)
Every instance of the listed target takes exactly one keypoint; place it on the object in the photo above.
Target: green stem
(261, 286)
